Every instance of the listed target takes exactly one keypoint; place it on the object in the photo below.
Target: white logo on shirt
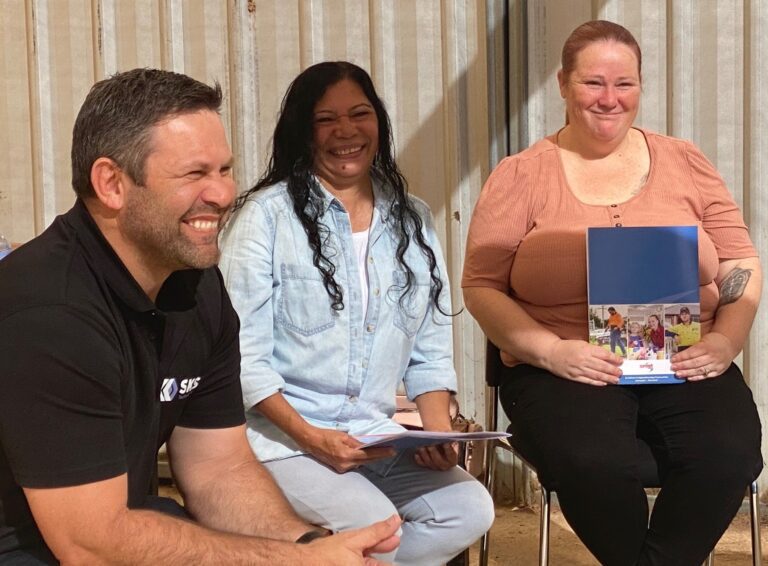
(171, 388)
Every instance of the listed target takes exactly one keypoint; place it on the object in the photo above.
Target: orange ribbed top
(527, 236)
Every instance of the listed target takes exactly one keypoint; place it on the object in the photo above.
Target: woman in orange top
(569, 418)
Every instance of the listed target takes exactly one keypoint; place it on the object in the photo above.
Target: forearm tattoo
(733, 285)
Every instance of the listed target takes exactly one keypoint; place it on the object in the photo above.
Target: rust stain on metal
(456, 216)
(251, 6)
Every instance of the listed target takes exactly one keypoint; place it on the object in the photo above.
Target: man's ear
(109, 183)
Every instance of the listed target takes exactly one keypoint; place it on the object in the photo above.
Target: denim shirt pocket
(303, 306)
(410, 311)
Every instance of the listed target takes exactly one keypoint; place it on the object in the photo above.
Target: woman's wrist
(307, 437)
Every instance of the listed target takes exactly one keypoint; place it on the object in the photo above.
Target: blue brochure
(643, 288)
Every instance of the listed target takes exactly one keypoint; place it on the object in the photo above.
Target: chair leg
(754, 519)
(488, 477)
(544, 528)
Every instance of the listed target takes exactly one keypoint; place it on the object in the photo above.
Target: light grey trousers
(443, 512)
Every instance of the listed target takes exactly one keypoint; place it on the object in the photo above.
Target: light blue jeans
(443, 512)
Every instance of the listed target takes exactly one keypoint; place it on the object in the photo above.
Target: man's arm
(226, 488)
(90, 524)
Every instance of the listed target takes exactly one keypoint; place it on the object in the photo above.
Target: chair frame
(489, 473)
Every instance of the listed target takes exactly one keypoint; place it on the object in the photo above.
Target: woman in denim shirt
(339, 281)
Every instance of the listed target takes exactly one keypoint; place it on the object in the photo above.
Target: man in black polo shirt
(116, 335)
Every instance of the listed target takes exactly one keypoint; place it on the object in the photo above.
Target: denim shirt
(336, 370)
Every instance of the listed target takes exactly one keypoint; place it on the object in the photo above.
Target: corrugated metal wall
(426, 57)
(439, 65)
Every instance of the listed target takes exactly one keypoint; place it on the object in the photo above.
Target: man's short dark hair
(684, 309)
(118, 114)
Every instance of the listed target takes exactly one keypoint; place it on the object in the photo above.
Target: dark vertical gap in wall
(524, 130)
(669, 68)
(507, 83)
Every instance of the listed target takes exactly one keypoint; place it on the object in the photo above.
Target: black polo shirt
(94, 376)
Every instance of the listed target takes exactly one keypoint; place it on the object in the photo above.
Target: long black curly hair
(292, 160)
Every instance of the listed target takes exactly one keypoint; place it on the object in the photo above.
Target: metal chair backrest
(493, 369)
(493, 364)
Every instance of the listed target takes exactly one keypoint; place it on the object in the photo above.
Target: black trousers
(583, 442)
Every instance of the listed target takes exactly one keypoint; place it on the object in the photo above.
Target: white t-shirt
(360, 239)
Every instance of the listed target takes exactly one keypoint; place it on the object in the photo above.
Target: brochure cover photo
(643, 289)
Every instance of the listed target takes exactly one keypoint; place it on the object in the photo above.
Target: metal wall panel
(427, 58)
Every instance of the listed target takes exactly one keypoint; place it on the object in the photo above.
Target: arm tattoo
(733, 285)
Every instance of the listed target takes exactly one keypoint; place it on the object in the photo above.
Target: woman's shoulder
(258, 210)
(535, 159)
(544, 149)
(385, 192)
(420, 206)
(667, 143)
(267, 195)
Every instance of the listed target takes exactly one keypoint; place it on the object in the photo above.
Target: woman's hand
(341, 451)
(438, 457)
(581, 361)
(435, 413)
(708, 358)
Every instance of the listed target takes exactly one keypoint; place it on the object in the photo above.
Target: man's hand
(354, 547)
(89, 524)
(581, 361)
(438, 457)
(341, 451)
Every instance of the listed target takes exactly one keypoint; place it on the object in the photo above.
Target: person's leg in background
(617, 340)
(711, 435)
(582, 441)
(443, 512)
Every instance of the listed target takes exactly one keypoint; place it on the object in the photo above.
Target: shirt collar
(177, 292)
(383, 200)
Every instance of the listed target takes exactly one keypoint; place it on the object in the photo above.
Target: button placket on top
(345, 276)
(614, 213)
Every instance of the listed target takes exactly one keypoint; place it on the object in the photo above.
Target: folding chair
(648, 472)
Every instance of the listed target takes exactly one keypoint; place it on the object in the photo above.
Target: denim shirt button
(376, 292)
(365, 364)
(370, 328)
(352, 399)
